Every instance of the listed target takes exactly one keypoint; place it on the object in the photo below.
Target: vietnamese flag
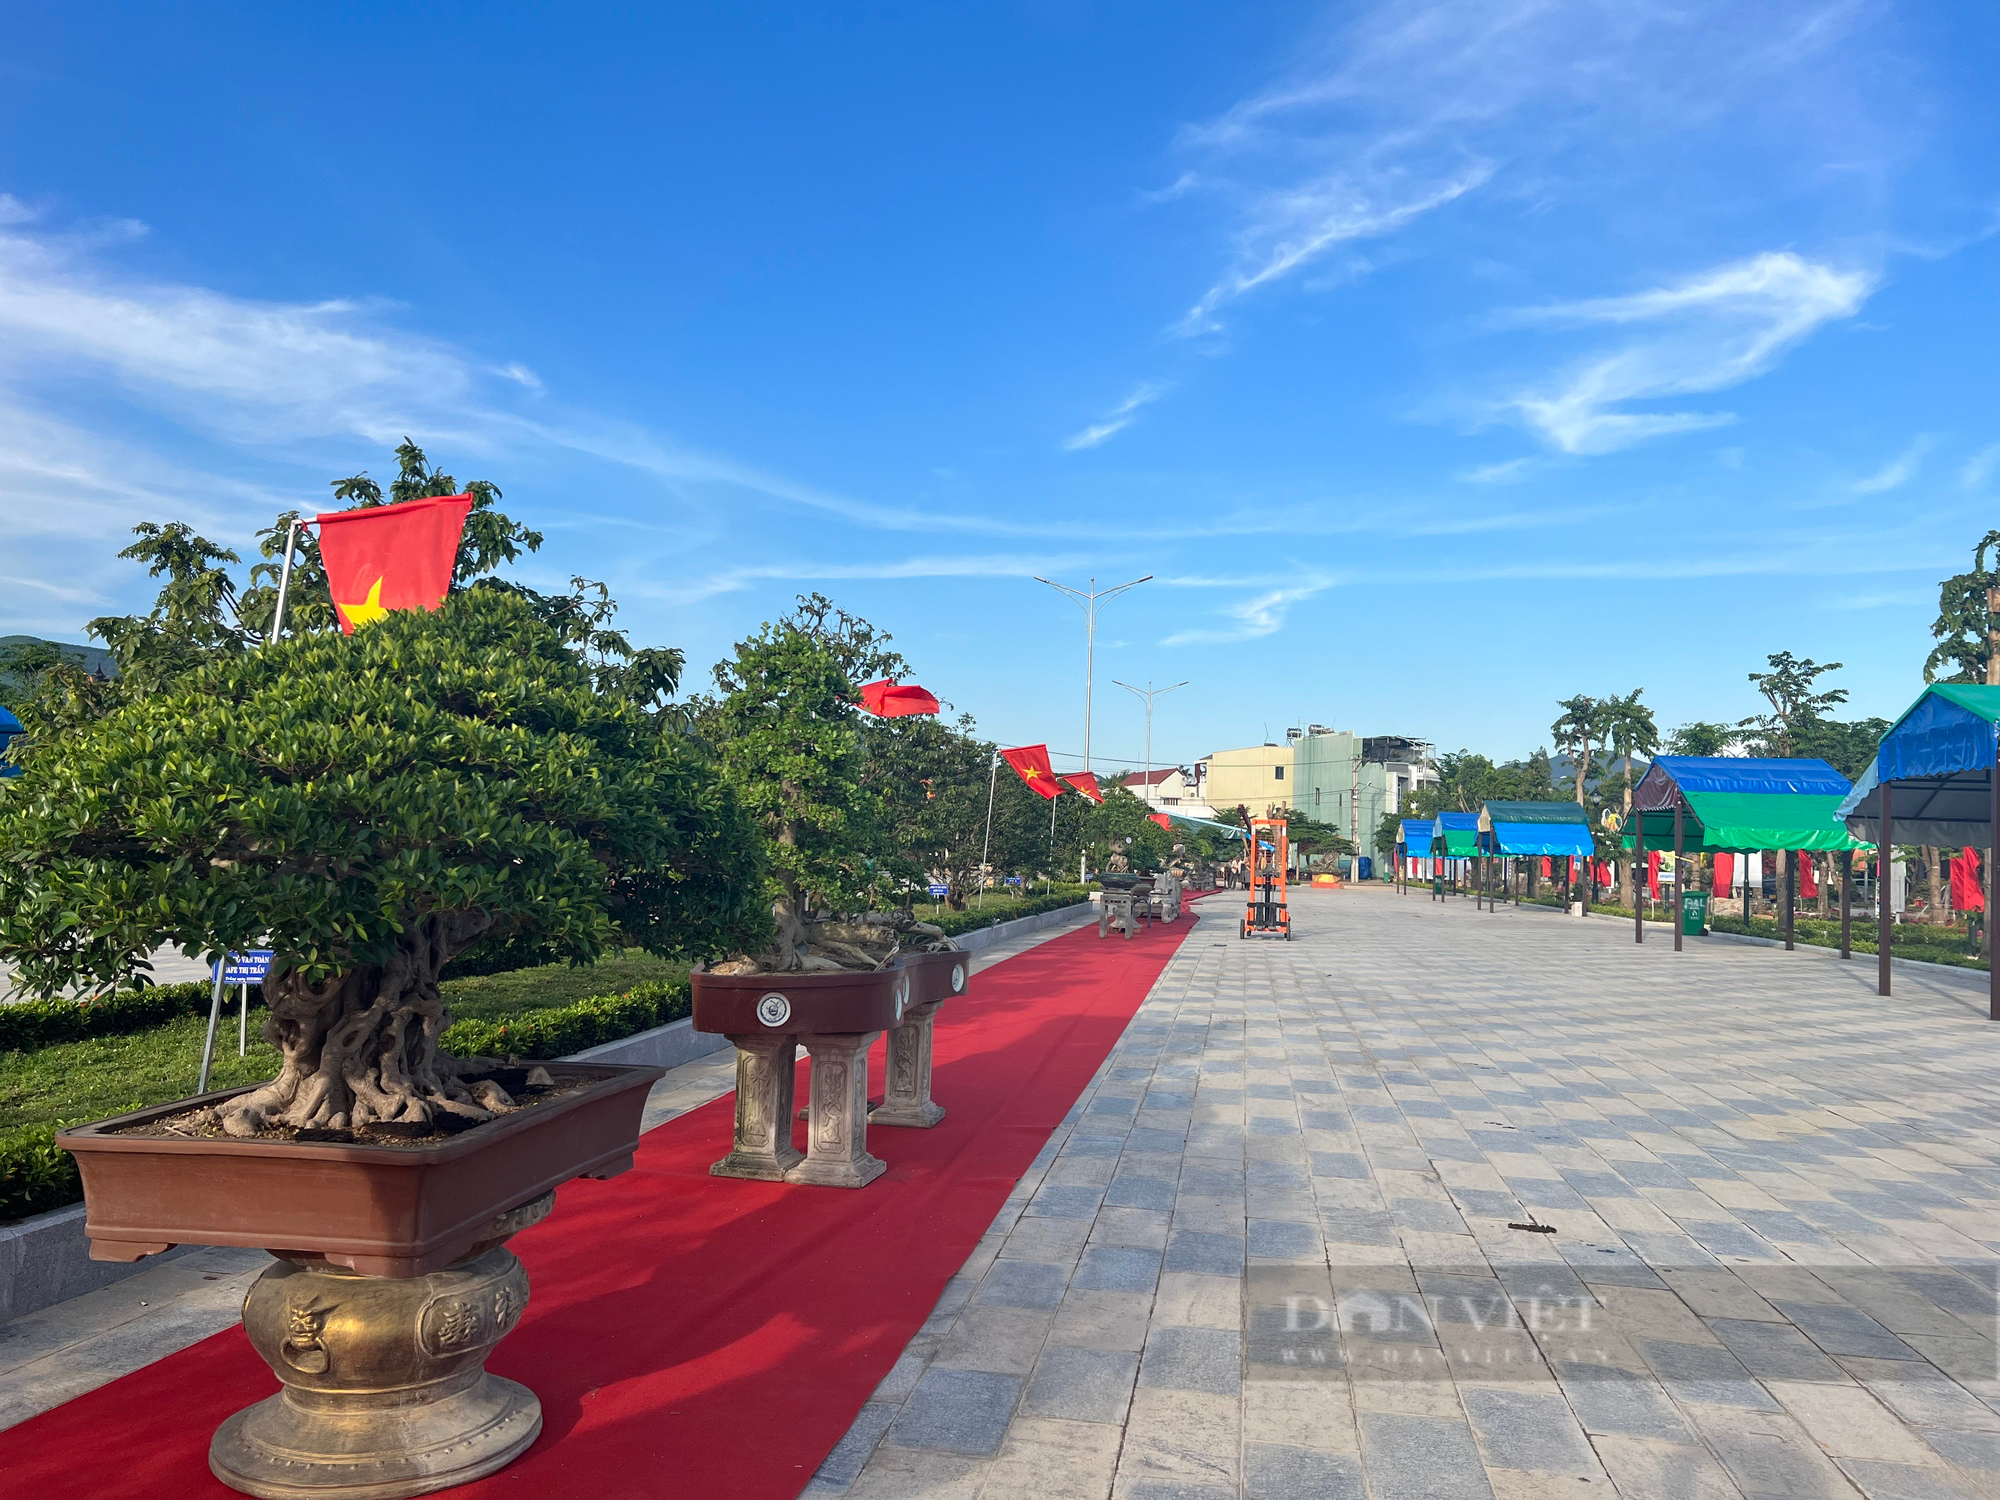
(887, 700)
(1086, 783)
(385, 557)
(1031, 764)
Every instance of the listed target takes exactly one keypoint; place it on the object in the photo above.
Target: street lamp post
(1087, 601)
(1149, 693)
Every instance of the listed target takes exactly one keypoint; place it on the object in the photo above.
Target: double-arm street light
(1149, 693)
(1087, 600)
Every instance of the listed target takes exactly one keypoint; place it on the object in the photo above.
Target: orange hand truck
(1268, 857)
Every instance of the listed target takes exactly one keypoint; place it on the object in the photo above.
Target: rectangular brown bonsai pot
(377, 1209)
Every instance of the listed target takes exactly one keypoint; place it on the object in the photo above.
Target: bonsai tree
(369, 807)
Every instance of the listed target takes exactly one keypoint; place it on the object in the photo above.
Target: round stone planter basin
(380, 1210)
(938, 976)
(803, 1004)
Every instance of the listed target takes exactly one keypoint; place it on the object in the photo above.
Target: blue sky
(1439, 359)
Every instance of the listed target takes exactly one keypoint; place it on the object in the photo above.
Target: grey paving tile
(1528, 1430)
(1117, 1268)
(1194, 1359)
(1081, 1385)
(1022, 1283)
(1279, 1471)
(1206, 1252)
(1421, 1458)
(957, 1411)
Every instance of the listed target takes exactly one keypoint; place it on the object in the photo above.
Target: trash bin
(1364, 868)
(1694, 913)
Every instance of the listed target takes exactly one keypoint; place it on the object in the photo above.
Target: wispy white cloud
(1508, 471)
(733, 580)
(1899, 471)
(1977, 468)
(1117, 419)
(1262, 613)
(1705, 333)
(1402, 107)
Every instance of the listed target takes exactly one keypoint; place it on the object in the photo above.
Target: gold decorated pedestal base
(386, 1391)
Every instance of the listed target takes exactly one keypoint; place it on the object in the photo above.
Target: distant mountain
(90, 658)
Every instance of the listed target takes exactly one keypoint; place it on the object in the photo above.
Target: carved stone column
(837, 1114)
(906, 1094)
(766, 1079)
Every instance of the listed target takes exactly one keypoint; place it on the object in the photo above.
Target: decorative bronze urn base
(386, 1391)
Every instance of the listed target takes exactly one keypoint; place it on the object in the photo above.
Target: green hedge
(35, 1173)
(973, 918)
(563, 1029)
(28, 1024)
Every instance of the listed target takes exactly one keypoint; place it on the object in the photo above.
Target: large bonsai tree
(369, 807)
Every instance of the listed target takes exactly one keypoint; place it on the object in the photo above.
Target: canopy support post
(1846, 904)
(1680, 844)
(1885, 841)
(1638, 868)
(1992, 848)
(1791, 858)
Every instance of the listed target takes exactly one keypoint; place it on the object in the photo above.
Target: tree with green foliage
(369, 807)
(1968, 624)
(1578, 730)
(1701, 738)
(785, 723)
(1789, 689)
(1123, 823)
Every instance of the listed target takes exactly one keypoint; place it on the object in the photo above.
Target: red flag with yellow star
(1086, 783)
(385, 557)
(1031, 763)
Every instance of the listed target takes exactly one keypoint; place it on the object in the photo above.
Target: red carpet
(691, 1335)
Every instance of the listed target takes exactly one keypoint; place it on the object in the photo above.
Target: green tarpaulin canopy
(1455, 835)
(1743, 802)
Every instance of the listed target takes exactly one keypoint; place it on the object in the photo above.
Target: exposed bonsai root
(362, 1048)
(837, 945)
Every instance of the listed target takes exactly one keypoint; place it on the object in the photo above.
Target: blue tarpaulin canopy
(1535, 828)
(9, 727)
(1415, 836)
(1939, 759)
(1741, 802)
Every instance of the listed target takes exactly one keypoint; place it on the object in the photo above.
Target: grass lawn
(101, 1076)
(496, 997)
(106, 1075)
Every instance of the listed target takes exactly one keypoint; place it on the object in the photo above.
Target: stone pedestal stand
(766, 1081)
(837, 1113)
(906, 1093)
(386, 1391)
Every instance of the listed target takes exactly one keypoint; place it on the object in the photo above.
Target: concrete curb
(1000, 932)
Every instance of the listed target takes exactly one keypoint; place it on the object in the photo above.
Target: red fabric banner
(1548, 867)
(1086, 783)
(1163, 820)
(1966, 891)
(385, 557)
(888, 700)
(1808, 874)
(1031, 764)
(1725, 874)
(1653, 874)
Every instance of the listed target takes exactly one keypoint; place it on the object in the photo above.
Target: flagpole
(986, 851)
(285, 578)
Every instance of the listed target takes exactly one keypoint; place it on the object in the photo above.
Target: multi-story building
(1258, 778)
(1168, 787)
(1350, 781)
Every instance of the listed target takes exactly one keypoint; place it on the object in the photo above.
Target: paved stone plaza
(1269, 1254)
